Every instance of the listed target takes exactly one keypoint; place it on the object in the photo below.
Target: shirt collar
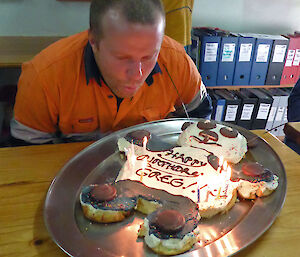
(92, 70)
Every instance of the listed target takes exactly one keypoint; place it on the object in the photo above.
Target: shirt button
(110, 96)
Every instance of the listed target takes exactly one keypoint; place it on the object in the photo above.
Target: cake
(216, 138)
(256, 181)
(108, 203)
(178, 186)
(184, 171)
(133, 141)
(100, 203)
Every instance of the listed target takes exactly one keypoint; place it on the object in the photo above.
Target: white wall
(42, 17)
(261, 16)
(51, 17)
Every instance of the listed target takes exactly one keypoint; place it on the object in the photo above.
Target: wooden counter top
(26, 174)
(17, 49)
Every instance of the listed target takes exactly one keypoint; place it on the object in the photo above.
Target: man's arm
(24, 135)
(294, 103)
(199, 107)
(34, 121)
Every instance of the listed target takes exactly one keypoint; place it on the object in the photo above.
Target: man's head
(126, 36)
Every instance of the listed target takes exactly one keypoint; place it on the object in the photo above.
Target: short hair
(135, 11)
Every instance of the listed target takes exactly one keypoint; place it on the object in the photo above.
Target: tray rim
(195, 252)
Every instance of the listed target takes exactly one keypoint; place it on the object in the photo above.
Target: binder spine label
(247, 111)
(279, 114)
(272, 113)
(211, 50)
(231, 112)
(285, 119)
(263, 111)
(219, 112)
(228, 52)
(245, 52)
(289, 58)
(262, 53)
(297, 58)
(279, 53)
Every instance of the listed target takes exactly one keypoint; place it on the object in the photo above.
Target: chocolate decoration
(207, 124)
(185, 125)
(267, 175)
(137, 136)
(208, 135)
(104, 192)
(169, 221)
(213, 161)
(229, 132)
(253, 169)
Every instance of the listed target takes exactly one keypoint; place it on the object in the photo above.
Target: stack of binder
(277, 60)
(228, 53)
(231, 107)
(244, 59)
(252, 108)
(226, 58)
(260, 62)
(262, 109)
(291, 70)
(278, 110)
(275, 93)
(246, 114)
(218, 104)
(209, 42)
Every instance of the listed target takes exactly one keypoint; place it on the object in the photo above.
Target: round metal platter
(100, 162)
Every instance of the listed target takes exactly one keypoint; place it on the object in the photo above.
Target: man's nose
(135, 70)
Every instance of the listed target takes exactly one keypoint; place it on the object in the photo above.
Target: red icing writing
(207, 139)
(167, 179)
(167, 165)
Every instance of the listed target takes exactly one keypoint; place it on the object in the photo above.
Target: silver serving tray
(100, 162)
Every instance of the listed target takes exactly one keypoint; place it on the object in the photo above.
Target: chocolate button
(253, 169)
(104, 192)
(207, 124)
(267, 175)
(137, 136)
(213, 161)
(209, 135)
(185, 125)
(229, 132)
(169, 221)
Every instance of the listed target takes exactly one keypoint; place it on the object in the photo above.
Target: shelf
(15, 50)
(248, 86)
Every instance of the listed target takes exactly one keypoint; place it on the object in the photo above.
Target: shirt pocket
(82, 125)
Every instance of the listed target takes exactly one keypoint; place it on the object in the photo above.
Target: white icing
(124, 146)
(232, 149)
(151, 240)
(181, 171)
(247, 188)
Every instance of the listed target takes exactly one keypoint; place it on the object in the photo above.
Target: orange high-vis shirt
(54, 93)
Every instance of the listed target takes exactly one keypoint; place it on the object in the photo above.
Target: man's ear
(92, 40)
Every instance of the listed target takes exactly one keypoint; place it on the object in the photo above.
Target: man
(293, 110)
(293, 114)
(121, 72)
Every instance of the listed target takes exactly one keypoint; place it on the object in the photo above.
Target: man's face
(127, 52)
